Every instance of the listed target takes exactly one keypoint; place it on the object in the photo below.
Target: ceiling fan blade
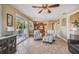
(36, 6)
(49, 11)
(54, 5)
(44, 5)
(40, 11)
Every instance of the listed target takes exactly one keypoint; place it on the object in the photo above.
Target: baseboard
(62, 38)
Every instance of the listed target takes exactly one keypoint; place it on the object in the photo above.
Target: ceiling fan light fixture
(45, 7)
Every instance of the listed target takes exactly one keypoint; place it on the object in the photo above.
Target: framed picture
(9, 20)
(64, 22)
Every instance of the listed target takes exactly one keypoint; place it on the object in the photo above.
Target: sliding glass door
(21, 29)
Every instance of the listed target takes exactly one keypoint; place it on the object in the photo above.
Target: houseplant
(21, 26)
(76, 23)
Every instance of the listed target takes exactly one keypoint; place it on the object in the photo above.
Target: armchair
(37, 35)
(49, 36)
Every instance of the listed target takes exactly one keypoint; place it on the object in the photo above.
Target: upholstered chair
(37, 35)
(49, 36)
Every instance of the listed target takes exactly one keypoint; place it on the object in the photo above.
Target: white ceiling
(56, 12)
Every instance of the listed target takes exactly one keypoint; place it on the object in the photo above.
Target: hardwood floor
(30, 46)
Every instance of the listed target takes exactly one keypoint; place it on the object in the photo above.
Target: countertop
(7, 36)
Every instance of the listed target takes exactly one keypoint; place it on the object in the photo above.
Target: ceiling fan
(46, 7)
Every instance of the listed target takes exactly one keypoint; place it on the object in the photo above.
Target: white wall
(63, 28)
(0, 19)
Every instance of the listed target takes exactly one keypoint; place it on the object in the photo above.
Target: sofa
(73, 46)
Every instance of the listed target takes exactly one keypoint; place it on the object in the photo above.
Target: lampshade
(10, 29)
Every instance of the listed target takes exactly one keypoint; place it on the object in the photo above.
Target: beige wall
(0, 19)
(8, 9)
(50, 24)
(74, 17)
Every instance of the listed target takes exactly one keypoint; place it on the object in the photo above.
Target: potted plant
(21, 26)
(76, 24)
